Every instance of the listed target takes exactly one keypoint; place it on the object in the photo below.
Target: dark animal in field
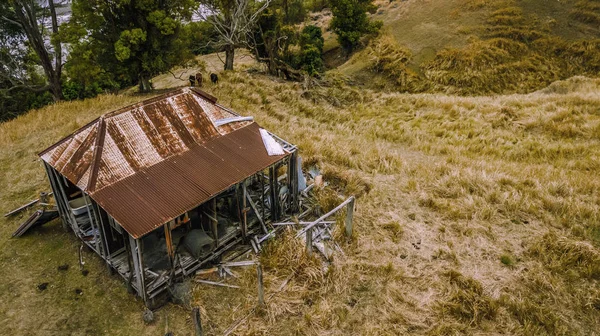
(214, 78)
(192, 80)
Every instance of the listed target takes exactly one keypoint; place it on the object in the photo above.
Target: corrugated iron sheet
(150, 162)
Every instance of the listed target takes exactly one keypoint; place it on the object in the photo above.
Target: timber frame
(259, 200)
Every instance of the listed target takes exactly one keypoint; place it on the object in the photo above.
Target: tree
(127, 41)
(311, 49)
(350, 21)
(233, 21)
(23, 22)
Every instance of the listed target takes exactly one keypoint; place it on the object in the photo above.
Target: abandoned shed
(162, 187)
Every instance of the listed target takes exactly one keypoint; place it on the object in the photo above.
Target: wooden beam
(253, 206)
(244, 213)
(215, 221)
(197, 322)
(169, 242)
(320, 219)
(261, 288)
(309, 241)
(349, 217)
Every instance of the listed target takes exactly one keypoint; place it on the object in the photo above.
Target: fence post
(261, 289)
(349, 216)
(197, 321)
(309, 241)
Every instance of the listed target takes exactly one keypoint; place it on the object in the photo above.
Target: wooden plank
(215, 283)
(309, 241)
(21, 208)
(261, 289)
(197, 322)
(349, 217)
(336, 209)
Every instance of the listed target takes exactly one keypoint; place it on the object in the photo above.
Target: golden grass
(448, 187)
(507, 47)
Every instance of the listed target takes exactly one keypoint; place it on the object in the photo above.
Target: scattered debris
(42, 286)
(148, 316)
(85, 272)
(42, 198)
(78, 291)
(63, 267)
(38, 218)
(216, 283)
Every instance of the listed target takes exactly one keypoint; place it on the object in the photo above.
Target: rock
(148, 316)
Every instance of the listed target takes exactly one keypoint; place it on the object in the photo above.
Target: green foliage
(126, 41)
(350, 21)
(293, 11)
(311, 50)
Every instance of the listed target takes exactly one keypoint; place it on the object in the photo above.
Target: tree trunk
(26, 15)
(56, 87)
(229, 54)
(144, 84)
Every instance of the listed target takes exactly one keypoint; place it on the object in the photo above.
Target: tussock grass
(561, 254)
(513, 50)
(467, 300)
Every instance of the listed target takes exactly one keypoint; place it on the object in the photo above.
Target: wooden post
(261, 290)
(95, 229)
(243, 222)
(309, 241)
(137, 266)
(349, 216)
(214, 221)
(197, 321)
(100, 222)
(169, 242)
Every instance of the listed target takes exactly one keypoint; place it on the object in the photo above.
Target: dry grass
(492, 47)
(448, 186)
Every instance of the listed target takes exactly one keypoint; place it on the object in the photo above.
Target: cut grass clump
(467, 301)
(566, 256)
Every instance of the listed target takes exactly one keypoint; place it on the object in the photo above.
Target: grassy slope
(446, 52)
(497, 193)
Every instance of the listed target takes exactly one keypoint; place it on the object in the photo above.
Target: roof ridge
(98, 147)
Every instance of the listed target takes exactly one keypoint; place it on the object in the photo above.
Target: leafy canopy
(350, 21)
(126, 41)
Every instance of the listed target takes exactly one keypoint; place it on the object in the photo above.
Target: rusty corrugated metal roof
(150, 162)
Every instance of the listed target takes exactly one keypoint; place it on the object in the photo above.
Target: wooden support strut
(244, 218)
(214, 221)
(350, 200)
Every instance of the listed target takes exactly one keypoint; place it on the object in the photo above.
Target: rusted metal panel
(150, 162)
(152, 197)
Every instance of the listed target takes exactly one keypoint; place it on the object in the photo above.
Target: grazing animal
(214, 78)
(192, 80)
(199, 79)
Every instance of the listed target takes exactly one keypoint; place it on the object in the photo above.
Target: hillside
(475, 215)
(475, 46)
